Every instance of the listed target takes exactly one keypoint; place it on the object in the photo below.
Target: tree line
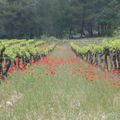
(59, 18)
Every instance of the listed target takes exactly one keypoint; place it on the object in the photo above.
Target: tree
(29, 19)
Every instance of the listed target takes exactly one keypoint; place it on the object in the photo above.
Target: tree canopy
(29, 19)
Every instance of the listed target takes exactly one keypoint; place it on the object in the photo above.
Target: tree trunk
(90, 31)
(99, 30)
(82, 24)
(70, 33)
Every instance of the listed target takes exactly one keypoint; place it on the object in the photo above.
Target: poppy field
(60, 86)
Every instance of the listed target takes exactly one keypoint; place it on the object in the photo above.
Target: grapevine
(102, 53)
(21, 52)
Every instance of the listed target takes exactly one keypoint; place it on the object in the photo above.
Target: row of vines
(106, 54)
(21, 53)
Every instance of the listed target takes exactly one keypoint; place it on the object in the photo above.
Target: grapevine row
(17, 53)
(107, 53)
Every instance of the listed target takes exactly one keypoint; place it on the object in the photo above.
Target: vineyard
(60, 80)
(105, 54)
(59, 59)
(20, 53)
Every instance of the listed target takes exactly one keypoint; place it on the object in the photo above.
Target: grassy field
(60, 87)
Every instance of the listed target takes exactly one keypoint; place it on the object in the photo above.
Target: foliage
(116, 33)
(32, 19)
(107, 53)
(25, 51)
(113, 44)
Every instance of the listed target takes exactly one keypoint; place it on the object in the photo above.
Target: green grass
(60, 97)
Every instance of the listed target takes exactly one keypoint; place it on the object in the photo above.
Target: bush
(116, 33)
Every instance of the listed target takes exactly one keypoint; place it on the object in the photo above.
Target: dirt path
(63, 55)
(63, 51)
